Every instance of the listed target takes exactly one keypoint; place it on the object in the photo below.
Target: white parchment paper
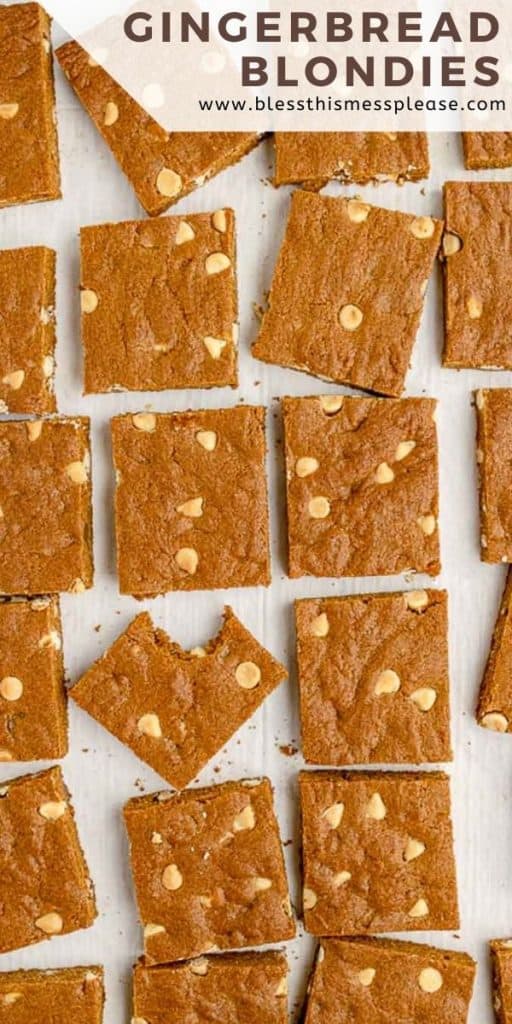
(100, 772)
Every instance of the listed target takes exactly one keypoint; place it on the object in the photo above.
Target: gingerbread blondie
(483, 150)
(191, 500)
(379, 981)
(29, 158)
(161, 166)
(33, 712)
(477, 251)
(179, 329)
(208, 870)
(27, 330)
(494, 443)
(245, 988)
(45, 888)
(45, 499)
(177, 708)
(314, 158)
(501, 962)
(348, 292)
(37, 997)
(362, 486)
(377, 852)
(373, 677)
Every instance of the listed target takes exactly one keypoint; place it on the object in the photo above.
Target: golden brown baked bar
(501, 961)
(161, 166)
(45, 888)
(484, 150)
(74, 994)
(494, 709)
(29, 159)
(494, 444)
(362, 487)
(208, 870)
(27, 330)
(477, 249)
(179, 329)
(314, 158)
(377, 852)
(33, 714)
(377, 981)
(245, 988)
(348, 292)
(177, 708)
(373, 676)
(191, 500)
(45, 495)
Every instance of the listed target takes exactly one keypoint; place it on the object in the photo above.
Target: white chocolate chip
(8, 111)
(384, 474)
(350, 317)
(14, 380)
(245, 820)
(248, 675)
(207, 439)
(261, 884)
(77, 586)
(50, 924)
(156, 838)
(366, 976)
(34, 430)
(153, 929)
(319, 507)
(188, 560)
(474, 307)
(77, 472)
(214, 346)
(111, 114)
(331, 403)
(376, 808)
(334, 814)
(480, 399)
(39, 604)
(145, 421)
(88, 300)
(169, 183)
(404, 449)
(199, 967)
(192, 509)
(198, 652)
(427, 524)
(357, 211)
(320, 625)
(424, 698)
(306, 466)
(52, 639)
(185, 233)
(451, 243)
(309, 899)
(172, 878)
(219, 221)
(413, 848)
(11, 688)
(420, 909)
(422, 227)
(282, 987)
(53, 810)
(216, 262)
(341, 878)
(495, 720)
(10, 998)
(149, 725)
(416, 599)
(430, 979)
(48, 367)
(387, 682)
(5, 755)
